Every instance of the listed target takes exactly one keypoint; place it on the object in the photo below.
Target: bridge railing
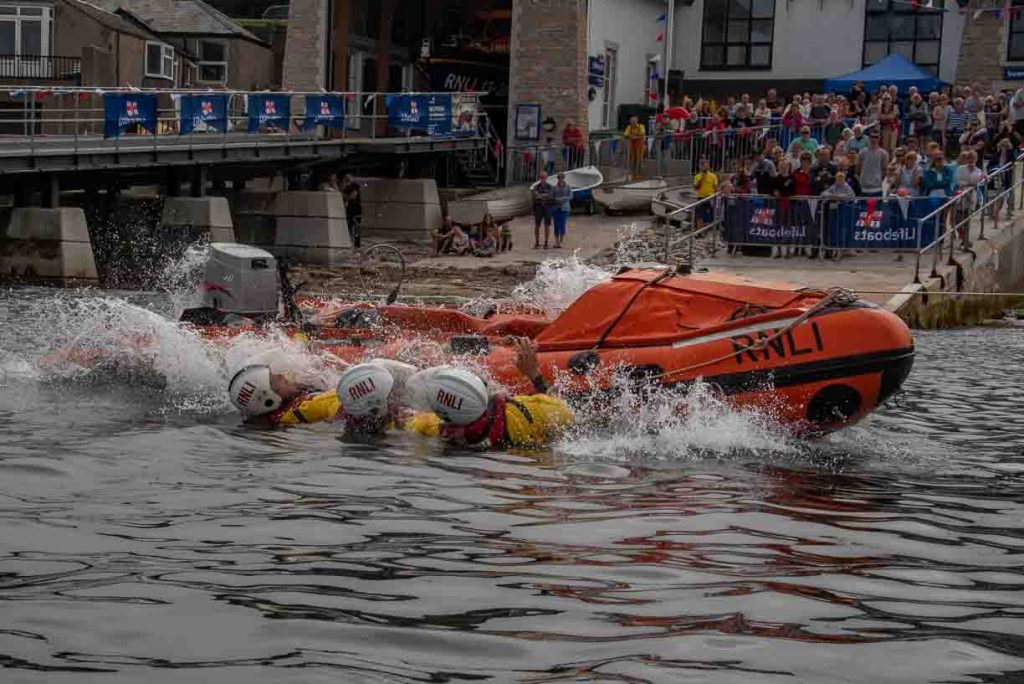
(78, 118)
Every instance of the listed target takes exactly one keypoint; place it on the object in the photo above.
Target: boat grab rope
(835, 296)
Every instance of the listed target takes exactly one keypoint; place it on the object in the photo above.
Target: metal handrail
(965, 223)
(42, 128)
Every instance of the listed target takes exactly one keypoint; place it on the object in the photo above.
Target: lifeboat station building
(597, 61)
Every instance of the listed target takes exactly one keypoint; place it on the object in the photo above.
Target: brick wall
(983, 49)
(549, 61)
(304, 46)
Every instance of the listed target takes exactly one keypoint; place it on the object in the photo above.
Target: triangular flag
(904, 203)
(662, 17)
(661, 36)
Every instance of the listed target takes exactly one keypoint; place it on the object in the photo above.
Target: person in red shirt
(803, 181)
(574, 143)
(714, 141)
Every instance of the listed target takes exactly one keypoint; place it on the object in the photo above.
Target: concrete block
(206, 216)
(401, 209)
(401, 191)
(323, 203)
(311, 227)
(49, 244)
(258, 230)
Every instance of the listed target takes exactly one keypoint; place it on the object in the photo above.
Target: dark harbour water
(146, 537)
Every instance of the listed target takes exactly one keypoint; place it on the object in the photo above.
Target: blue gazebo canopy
(894, 70)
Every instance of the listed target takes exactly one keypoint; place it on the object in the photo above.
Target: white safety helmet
(457, 396)
(364, 390)
(251, 392)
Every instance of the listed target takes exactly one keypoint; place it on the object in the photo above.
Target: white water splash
(94, 338)
(558, 283)
(181, 278)
(628, 423)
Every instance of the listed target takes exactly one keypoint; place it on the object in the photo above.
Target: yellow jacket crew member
(466, 415)
(374, 397)
(273, 399)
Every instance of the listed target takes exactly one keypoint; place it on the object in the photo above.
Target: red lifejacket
(486, 431)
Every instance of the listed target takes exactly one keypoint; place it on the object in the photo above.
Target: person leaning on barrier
(765, 173)
(938, 179)
(840, 190)
(823, 170)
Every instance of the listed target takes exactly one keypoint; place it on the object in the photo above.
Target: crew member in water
(272, 398)
(275, 398)
(466, 414)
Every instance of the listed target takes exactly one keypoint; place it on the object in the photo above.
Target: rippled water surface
(145, 536)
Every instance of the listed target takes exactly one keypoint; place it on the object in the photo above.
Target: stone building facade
(305, 45)
(549, 60)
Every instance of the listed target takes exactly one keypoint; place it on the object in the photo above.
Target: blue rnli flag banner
(269, 110)
(325, 110)
(204, 112)
(430, 113)
(882, 224)
(751, 219)
(122, 111)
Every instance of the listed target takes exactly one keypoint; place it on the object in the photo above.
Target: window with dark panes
(737, 34)
(1015, 48)
(895, 27)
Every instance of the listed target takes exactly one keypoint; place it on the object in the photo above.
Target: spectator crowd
(838, 147)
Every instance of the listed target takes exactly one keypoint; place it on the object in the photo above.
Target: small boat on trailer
(629, 197)
(580, 180)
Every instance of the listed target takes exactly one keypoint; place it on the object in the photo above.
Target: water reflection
(142, 543)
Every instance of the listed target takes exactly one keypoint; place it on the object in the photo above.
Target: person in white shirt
(1017, 111)
(970, 179)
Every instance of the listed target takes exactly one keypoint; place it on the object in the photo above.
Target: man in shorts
(543, 202)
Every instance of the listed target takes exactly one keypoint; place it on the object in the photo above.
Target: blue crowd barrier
(865, 223)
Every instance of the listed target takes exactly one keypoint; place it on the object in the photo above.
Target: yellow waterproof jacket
(536, 420)
(528, 421)
(314, 408)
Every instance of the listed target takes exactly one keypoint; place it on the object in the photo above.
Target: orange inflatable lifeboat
(815, 360)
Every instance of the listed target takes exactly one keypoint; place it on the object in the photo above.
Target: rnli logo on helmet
(449, 400)
(245, 394)
(362, 389)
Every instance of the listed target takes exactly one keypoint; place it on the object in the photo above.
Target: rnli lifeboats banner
(122, 111)
(269, 110)
(882, 224)
(751, 219)
(325, 110)
(204, 112)
(855, 224)
(430, 113)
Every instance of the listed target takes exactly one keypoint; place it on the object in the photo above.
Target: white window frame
(652, 84)
(203, 63)
(24, 64)
(167, 58)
